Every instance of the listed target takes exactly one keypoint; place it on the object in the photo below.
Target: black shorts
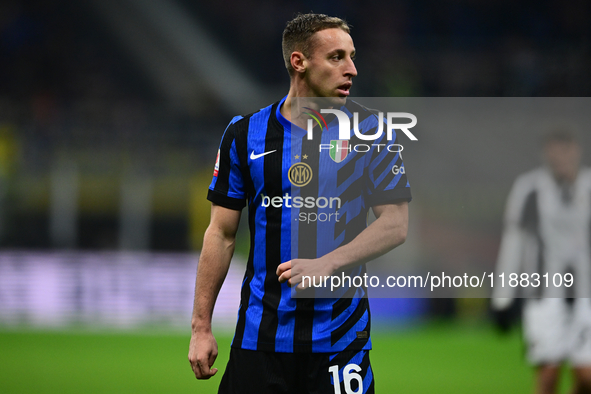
(250, 371)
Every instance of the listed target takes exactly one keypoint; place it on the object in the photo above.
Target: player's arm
(214, 261)
(388, 231)
(508, 261)
(511, 249)
(513, 240)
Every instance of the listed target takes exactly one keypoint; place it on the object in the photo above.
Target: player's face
(563, 159)
(330, 68)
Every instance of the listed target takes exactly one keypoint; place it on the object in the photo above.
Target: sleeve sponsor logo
(398, 169)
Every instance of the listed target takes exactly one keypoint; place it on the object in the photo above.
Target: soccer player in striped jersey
(307, 208)
(547, 230)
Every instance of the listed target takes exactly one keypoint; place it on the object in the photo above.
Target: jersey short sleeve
(386, 182)
(227, 186)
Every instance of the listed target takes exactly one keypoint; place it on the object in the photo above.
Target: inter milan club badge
(300, 174)
(339, 150)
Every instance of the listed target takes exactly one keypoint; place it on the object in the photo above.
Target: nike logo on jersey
(254, 157)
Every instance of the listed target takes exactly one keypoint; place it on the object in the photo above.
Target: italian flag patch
(339, 149)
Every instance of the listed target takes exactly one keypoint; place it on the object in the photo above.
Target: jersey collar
(287, 125)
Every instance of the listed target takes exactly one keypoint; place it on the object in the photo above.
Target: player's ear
(298, 61)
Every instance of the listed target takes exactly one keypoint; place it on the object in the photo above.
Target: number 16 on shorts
(351, 379)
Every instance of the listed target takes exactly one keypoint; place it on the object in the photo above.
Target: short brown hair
(299, 31)
(561, 135)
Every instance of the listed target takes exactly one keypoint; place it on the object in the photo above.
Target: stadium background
(110, 116)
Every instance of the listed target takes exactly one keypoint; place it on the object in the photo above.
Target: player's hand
(292, 271)
(504, 314)
(284, 272)
(203, 350)
(503, 320)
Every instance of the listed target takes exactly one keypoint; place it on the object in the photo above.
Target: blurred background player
(547, 230)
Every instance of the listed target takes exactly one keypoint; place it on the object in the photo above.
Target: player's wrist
(200, 327)
(334, 263)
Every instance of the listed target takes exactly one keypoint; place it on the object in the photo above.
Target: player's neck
(287, 110)
(566, 179)
(286, 107)
(296, 91)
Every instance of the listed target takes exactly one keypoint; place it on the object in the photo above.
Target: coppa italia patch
(216, 169)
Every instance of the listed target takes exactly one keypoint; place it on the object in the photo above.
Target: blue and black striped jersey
(306, 197)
